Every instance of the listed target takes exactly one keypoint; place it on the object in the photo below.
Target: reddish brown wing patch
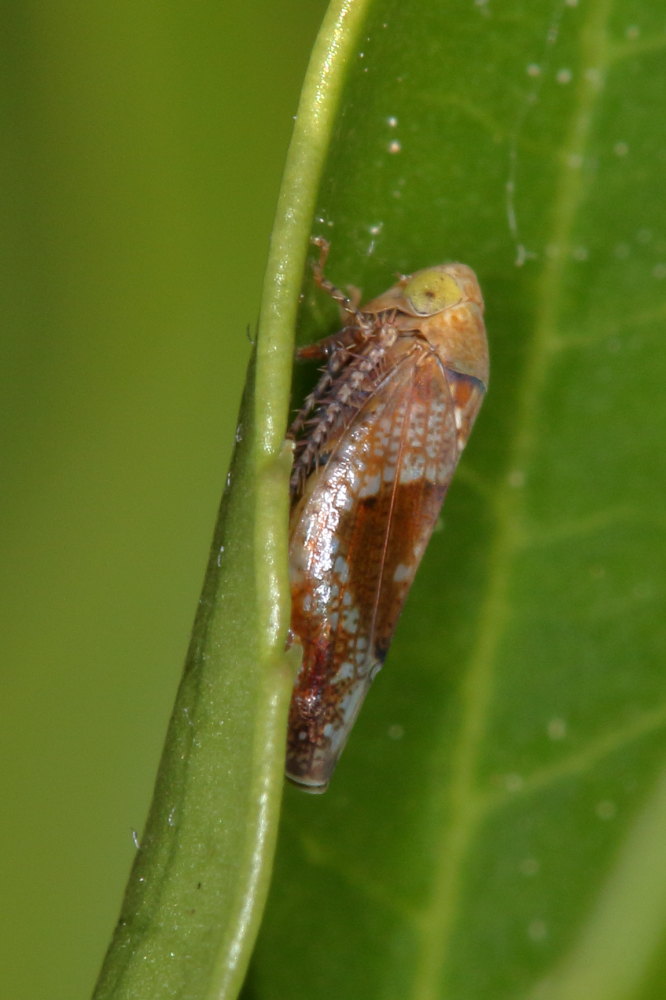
(357, 538)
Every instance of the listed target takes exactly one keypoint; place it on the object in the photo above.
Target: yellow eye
(430, 291)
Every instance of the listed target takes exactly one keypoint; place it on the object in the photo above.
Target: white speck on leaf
(537, 930)
(557, 729)
(513, 782)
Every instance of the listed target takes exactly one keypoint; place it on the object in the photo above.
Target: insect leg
(349, 305)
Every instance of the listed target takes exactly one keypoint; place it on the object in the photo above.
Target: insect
(376, 445)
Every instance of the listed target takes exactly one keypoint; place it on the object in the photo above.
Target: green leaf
(200, 876)
(496, 826)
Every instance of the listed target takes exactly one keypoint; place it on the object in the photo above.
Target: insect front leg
(348, 303)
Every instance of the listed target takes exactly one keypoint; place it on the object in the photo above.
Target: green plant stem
(200, 878)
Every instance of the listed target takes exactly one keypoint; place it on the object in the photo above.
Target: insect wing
(467, 393)
(357, 537)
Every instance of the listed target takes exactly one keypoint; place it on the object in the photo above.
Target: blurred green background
(142, 147)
